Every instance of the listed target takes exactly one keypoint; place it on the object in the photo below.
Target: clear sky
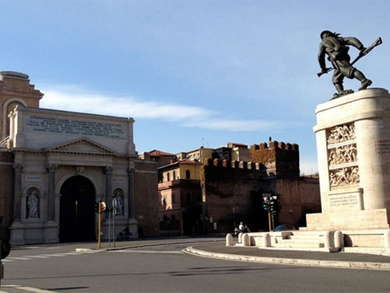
(191, 72)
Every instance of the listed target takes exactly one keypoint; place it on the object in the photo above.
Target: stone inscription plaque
(342, 200)
(76, 127)
(32, 178)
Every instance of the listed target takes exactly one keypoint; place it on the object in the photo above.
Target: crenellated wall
(279, 158)
(234, 191)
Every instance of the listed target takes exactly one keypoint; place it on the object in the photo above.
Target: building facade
(231, 190)
(61, 163)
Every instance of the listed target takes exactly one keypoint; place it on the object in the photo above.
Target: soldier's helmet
(325, 33)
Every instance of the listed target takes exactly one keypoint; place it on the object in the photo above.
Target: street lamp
(271, 205)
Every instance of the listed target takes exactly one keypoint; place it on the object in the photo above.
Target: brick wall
(146, 198)
(280, 159)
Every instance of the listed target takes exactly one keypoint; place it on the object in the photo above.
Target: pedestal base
(348, 220)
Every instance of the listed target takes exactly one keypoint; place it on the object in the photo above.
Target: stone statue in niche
(118, 202)
(343, 154)
(344, 176)
(341, 133)
(32, 203)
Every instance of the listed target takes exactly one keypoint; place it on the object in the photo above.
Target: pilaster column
(51, 170)
(18, 171)
(131, 192)
(107, 196)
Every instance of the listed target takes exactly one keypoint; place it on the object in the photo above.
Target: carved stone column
(131, 192)
(51, 192)
(18, 171)
(108, 196)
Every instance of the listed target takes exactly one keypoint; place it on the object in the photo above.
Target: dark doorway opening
(77, 214)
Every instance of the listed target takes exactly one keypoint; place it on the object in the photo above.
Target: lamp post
(271, 205)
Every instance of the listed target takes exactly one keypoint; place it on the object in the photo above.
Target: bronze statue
(336, 48)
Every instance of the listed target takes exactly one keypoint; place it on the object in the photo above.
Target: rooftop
(14, 74)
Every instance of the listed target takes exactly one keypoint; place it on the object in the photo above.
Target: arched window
(168, 177)
(118, 202)
(10, 107)
(32, 203)
(188, 174)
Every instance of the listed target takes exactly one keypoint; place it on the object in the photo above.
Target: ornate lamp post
(271, 205)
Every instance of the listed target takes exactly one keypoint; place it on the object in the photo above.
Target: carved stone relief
(343, 154)
(341, 133)
(344, 176)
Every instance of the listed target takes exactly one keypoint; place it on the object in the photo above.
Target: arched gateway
(77, 215)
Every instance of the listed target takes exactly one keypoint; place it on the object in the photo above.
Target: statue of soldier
(336, 47)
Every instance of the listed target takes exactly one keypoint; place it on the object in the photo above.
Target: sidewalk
(289, 257)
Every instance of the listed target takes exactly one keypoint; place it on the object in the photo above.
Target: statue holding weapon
(336, 48)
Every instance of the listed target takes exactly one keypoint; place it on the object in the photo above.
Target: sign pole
(99, 228)
(269, 221)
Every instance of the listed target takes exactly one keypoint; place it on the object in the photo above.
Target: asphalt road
(160, 266)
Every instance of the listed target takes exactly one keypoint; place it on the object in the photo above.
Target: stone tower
(15, 89)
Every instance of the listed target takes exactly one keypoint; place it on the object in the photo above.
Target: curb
(290, 261)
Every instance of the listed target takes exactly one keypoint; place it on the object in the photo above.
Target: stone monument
(353, 149)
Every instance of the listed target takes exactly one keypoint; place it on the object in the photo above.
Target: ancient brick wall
(234, 193)
(297, 197)
(146, 198)
(280, 159)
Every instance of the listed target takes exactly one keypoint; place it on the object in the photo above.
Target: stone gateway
(55, 165)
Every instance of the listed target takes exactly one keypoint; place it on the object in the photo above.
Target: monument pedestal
(353, 148)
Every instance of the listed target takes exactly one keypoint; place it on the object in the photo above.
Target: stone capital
(51, 168)
(107, 170)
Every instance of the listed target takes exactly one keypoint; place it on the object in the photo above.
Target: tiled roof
(159, 153)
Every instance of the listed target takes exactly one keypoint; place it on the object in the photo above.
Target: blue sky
(191, 73)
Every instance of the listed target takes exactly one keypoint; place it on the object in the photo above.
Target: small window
(174, 175)
(168, 177)
(188, 174)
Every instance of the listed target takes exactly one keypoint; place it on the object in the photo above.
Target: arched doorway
(77, 214)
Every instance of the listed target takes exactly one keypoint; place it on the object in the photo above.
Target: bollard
(240, 237)
(338, 240)
(229, 240)
(329, 240)
(267, 240)
(246, 240)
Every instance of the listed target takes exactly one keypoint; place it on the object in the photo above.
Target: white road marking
(6, 260)
(37, 256)
(149, 251)
(26, 288)
(35, 290)
(18, 258)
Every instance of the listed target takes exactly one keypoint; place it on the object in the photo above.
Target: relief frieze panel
(341, 133)
(343, 154)
(344, 177)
